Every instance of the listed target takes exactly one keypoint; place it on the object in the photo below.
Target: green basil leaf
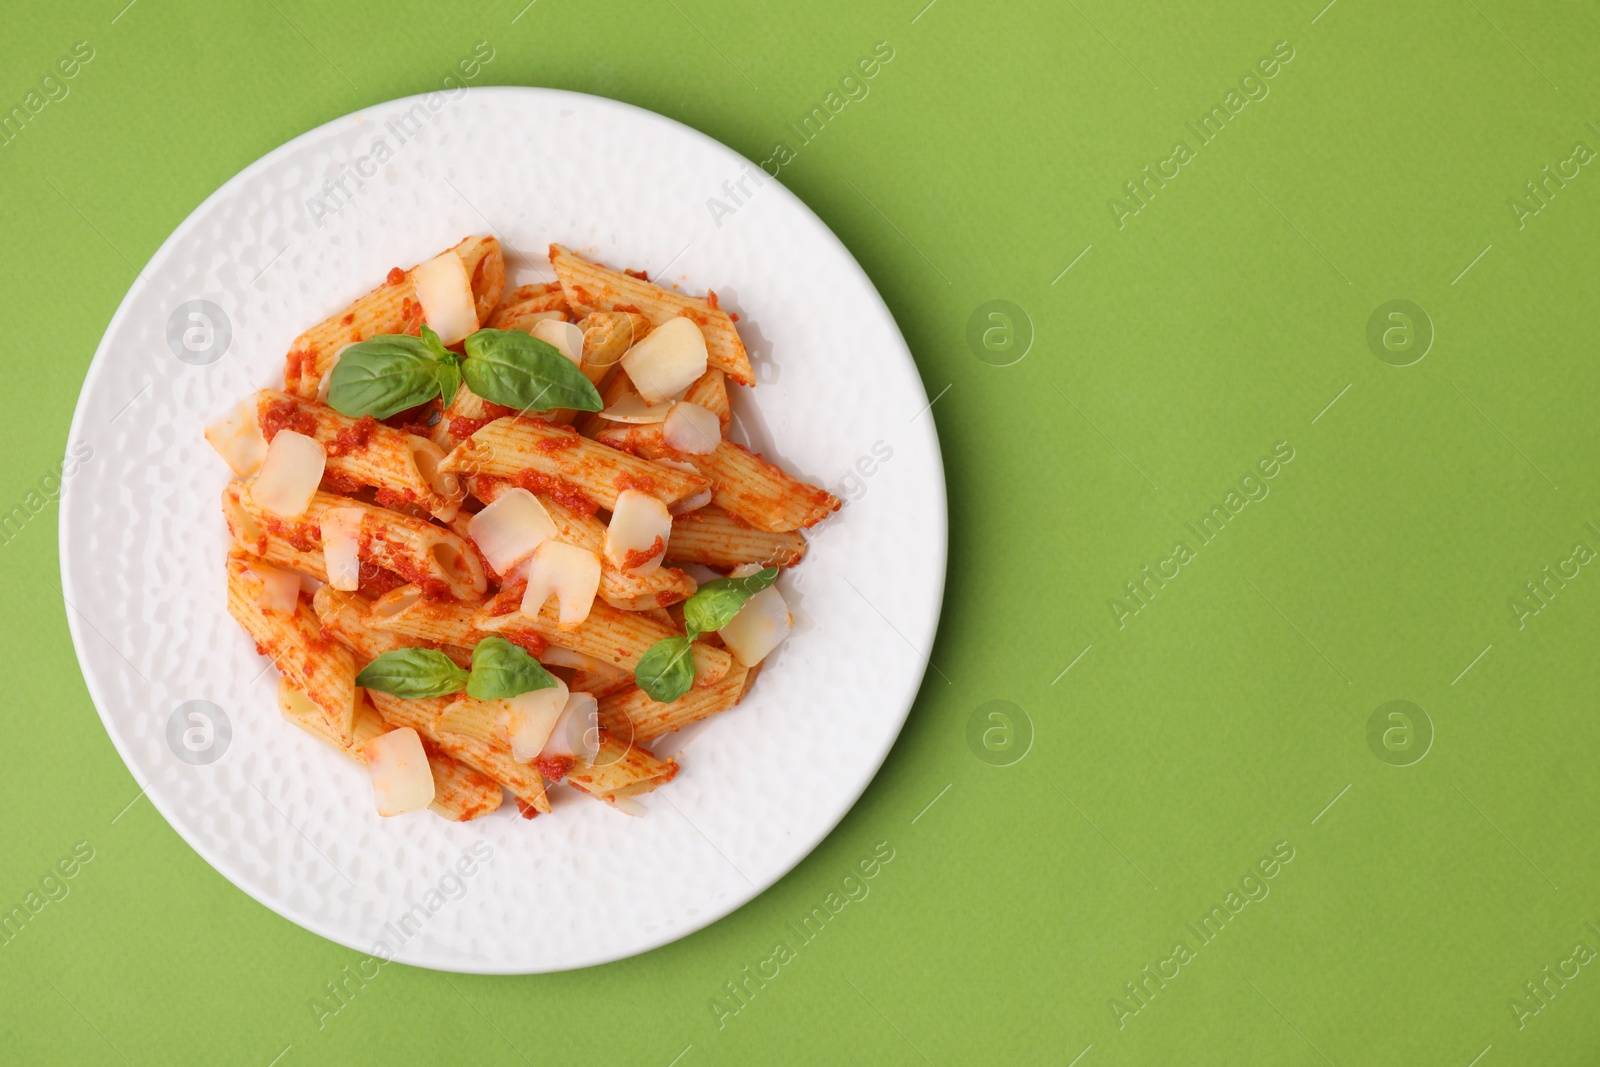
(715, 603)
(666, 671)
(413, 673)
(435, 345)
(448, 372)
(383, 376)
(501, 669)
(517, 370)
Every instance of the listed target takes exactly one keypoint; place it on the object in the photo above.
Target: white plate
(142, 540)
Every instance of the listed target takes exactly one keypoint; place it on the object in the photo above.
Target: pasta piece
(630, 592)
(591, 287)
(403, 467)
(321, 668)
(483, 754)
(555, 461)
(391, 308)
(741, 482)
(613, 390)
(599, 683)
(714, 538)
(269, 547)
(518, 309)
(460, 792)
(405, 611)
(438, 561)
(711, 393)
(620, 770)
(615, 637)
(607, 336)
(631, 713)
(347, 618)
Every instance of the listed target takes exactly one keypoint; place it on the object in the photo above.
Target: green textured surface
(1182, 747)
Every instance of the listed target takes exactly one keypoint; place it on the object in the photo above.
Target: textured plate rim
(313, 921)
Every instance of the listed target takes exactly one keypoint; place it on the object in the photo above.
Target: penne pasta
(391, 308)
(406, 612)
(590, 287)
(714, 538)
(271, 548)
(615, 637)
(460, 792)
(710, 391)
(612, 389)
(557, 462)
(403, 467)
(436, 560)
(630, 712)
(741, 482)
(607, 336)
(347, 618)
(620, 770)
(318, 666)
(526, 304)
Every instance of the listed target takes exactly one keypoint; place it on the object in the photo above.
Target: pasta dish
(493, 540)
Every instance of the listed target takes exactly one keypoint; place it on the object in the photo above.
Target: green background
(1181, 747)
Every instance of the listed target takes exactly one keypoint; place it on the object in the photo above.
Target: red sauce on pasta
(287, 415)
(636, 558)
(352, 438)
(554, 768)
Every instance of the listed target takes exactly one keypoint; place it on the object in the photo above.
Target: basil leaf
(517, 370)
(383, 376)
(666, 671)
(435, 345)
(448, 372)
(413, 673)
(715, 603)
(501, 669)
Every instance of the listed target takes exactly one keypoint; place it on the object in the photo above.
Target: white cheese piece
(577, 731)
(760, 626)
(341, 546)
(667, 361)
(691, 428)
(401, 778)
(280, 588)
(445, 293)
(237, 438)
(508, 530)
(566, 572)
(636, 409)
(531, 717)
(567, 338)
(640, 523)
(290, 474)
